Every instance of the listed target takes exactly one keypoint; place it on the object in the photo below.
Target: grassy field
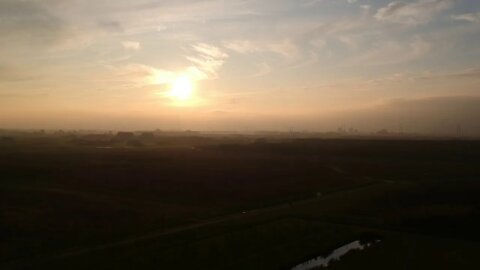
(190, 202)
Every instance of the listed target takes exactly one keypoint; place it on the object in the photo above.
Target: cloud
(285, 48)
(366, 8)
(209, 51)
(32, 27)
(110, 26)
(131, 45)
(318, 43)
(412, 13)
(139, 75)
(28, 23)
(242, 46)
(263, 69)
(393, 52)
(10, 73)
(472, 73)
(469, 17)
(314, 2)
(207, 61)
(205, 64)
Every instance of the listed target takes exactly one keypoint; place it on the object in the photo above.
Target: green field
(232, 202)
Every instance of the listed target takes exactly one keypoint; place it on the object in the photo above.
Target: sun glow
(181, 88)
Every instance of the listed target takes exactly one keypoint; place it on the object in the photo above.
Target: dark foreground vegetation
(233, 202)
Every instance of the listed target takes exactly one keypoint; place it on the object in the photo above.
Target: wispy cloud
(469, 17)
(209, 51)
(10, 74)
(207, 61)
(284, 48)
(314, 2)
(139, 75)
(28, 22)
(472, 73)
(412, 13)
(393, 52)
(263, 69)
(131, 45)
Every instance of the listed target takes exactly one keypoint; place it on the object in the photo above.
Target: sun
(181, 88)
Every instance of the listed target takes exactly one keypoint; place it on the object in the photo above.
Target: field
(193, 201)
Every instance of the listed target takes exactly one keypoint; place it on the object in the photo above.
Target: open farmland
(237, 202)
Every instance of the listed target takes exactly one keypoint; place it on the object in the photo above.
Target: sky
(251, 65)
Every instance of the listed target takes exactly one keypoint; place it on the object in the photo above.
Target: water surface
(334, 256)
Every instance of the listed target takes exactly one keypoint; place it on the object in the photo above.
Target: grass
(58, 196)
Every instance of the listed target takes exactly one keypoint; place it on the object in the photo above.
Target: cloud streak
(131, 45)
(207, 61)
(468, 17)
(393, 52)
(284, 48)
(412, 13)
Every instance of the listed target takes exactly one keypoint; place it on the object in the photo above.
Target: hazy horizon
(241, 65)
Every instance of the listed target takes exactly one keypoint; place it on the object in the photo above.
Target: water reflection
(334, 256)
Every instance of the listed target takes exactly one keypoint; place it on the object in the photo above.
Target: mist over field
(440, 116)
